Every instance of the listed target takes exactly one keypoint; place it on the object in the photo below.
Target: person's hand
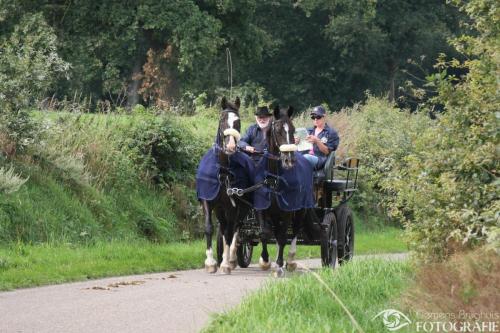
(250, 149)
(312, 139)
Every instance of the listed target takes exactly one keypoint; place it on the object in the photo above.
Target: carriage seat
(326, 173)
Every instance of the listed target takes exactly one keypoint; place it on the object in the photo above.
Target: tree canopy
(303, 52)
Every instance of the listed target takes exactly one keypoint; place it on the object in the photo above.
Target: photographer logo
(393, 319)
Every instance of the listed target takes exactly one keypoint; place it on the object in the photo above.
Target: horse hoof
(264, 265)
(279, 272)
(291, 266)
(225, 269)
(211, 268)
(233, 264)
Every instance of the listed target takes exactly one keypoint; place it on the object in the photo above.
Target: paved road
(164, 302)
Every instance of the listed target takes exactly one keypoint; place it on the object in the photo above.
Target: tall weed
(10, 182)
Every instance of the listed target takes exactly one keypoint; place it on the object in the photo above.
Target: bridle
(224, 175)
(274, 137)
(221, 134)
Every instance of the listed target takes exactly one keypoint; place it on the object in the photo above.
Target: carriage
(334, 186)
(279, 189)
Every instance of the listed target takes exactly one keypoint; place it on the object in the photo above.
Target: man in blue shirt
(324, 139)
(255, 136)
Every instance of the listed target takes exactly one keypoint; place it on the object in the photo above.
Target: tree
(29, 66)
(333, 51)
(451, 188)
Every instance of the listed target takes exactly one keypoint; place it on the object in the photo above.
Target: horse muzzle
(288, 148)
(232, 132)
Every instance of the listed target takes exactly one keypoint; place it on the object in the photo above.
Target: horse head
(229, 126)
(282, 136)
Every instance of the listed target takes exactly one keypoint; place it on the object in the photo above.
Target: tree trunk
(393, 69)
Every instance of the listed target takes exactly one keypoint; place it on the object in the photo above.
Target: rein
(271, 180)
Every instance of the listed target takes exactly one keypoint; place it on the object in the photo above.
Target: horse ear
(290, 111)
(223, 103)
(277, 112)
(237, 102)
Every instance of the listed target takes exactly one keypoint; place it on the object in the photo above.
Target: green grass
(302, 304)
(34, 265)
(49, 209)
(386, 240)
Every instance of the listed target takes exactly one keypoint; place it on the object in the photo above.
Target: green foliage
(383, 137)
(160, 150)
(86, 183)
(457, 203)
(440, 178)
(29, 66)
(302, 53)
(333, 51)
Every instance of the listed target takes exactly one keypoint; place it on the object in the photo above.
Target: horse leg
(264, 234)
(232, 237)
(210, 262)
(291, 265)
(281, 236)
(224, 266)
(233, 259)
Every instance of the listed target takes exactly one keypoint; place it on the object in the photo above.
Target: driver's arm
(322, 147)
(246, 139)
(333, 140)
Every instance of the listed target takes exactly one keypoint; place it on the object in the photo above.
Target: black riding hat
(262, 111)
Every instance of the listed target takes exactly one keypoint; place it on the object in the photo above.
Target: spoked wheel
(345, 233)
(244, 254)
(329, 245)
(220, 247)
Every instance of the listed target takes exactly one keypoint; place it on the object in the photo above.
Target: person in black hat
(254, 138)
(323, 138)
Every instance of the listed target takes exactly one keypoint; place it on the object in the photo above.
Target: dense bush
(452, 189)
(161, 151)
(383, 137)
(439, 177)
(29, 65)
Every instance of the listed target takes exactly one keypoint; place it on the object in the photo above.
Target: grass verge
(301, 303)
(34, 265)
(367, 241)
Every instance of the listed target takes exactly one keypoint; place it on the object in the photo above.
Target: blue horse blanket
(241, 167)
(295, 186)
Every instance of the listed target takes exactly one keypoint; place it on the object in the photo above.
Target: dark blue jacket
(330, 138)
(254, 136)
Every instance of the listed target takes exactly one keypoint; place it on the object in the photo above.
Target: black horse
(282, 158)
(221, 168)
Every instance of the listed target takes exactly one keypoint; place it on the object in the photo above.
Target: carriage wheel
(220, 247)
(345, 233)
(329, 250)
(244, 254)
